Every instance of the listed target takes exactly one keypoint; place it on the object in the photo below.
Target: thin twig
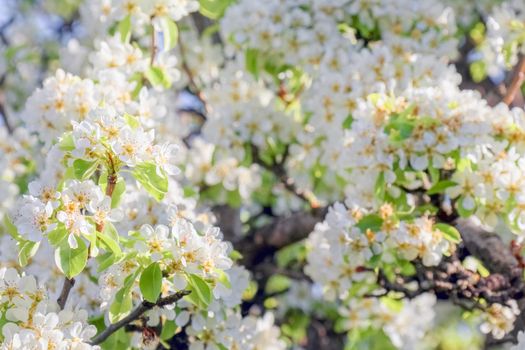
(153, 45)
(517, 81)
(3, 113)
(136, 313)
(64, 294)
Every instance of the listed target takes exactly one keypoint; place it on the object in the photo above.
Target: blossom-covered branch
(136, 314)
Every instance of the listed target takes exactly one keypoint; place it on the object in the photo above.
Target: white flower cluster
(234, 332)
(15, 163)
(335, 103)
(206, 164)
(181, 250)
(505, 39)
(33, 323)
(342, 247)
(288, 28)
(243, 110)
(98, 15)
(425, 130)
(396, 319)
(499, 319)
(65, 97)
(84, 295)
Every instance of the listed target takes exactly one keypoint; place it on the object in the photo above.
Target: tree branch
(266, 240)
(136, 313)
(64, 294)
(489, 248)
(517, 81)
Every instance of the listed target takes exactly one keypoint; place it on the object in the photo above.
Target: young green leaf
(252, 61)
(155, 184)
(110, 238)
(151, 282)
(27, 250)
(83, 169)
(170, 33)
(158, 77)
(213, 9)
(11, 229)
(441, 186)
(450, 232)
(124, 29)
(371, 221)
(71, 261)
(200, 290)
(57, 236)
(120, 306)
(123, 302)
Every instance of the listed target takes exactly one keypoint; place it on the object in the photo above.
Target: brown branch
(264, 241)
(64, 294)
(136, 314)
(489, 248)
(517, 81)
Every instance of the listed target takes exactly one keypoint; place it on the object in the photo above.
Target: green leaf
(27, 250)
(234, 199)
(120, 340)
(66, 143)
(124, 28)
(213, 9)
(223, 278)
(478, 70)
(158, 77)
(71, 261)
(347, 124)
(132, 120)
(146, 174)
(200, 291)
(83, 169)
(123, 302)
(464, 213)
(168, 330)
(379, 188)
(450, 232)
(372, 222)
(277, 284)
(252, 61)
(170, 33)
(235, 255)
(120, 307)
(106, 260)
(291, 254)
(441, 186)
(11, 229)
(151, 282)
(58, 235)
(110, 238)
